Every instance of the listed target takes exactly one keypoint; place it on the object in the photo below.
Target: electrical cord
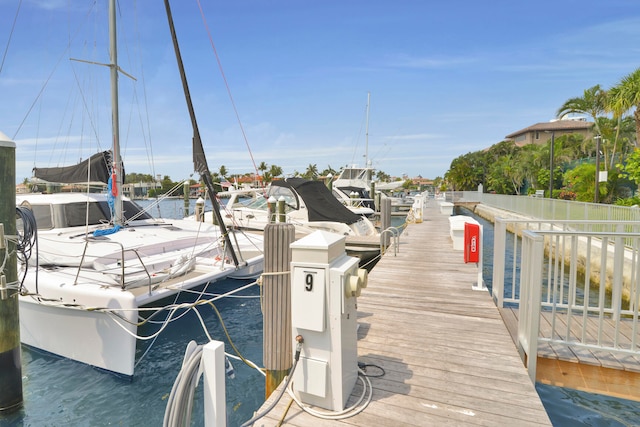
(363, 368)
(345, 413)
(180, 401)
(353, 409)
(27, 241)
(256, 417)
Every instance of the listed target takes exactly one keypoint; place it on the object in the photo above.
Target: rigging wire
(49, 77)
(226, 83)
(13, 27)
(355, 149)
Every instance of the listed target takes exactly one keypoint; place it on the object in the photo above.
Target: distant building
(22, 189)
(541, 133)
(139, 190)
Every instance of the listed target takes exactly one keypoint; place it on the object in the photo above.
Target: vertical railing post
(499, 251)
(530, 295)
(618, 269)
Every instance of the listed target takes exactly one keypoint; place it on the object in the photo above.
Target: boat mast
(366, 150)
(199, 159)
(116, 171)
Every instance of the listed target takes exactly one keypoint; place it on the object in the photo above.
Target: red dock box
(471, 242)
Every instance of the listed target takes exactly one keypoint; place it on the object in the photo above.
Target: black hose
(27, 240)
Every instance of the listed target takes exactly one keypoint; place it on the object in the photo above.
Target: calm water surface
(61, 392)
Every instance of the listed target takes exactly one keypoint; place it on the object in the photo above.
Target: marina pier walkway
(447, 356)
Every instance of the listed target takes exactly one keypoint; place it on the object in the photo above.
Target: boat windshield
(290, 198)
(259, 202)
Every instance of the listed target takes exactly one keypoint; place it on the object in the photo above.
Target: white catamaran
(93, 260)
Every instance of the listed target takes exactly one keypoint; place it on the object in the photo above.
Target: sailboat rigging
(83, 297)
(199, 159)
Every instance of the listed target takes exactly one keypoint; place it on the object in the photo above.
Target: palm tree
(625, 96)
(311, 172)
(275, 171)
(263, 167)
(593, 103)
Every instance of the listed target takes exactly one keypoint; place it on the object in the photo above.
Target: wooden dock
(592, 371)
(446, 353)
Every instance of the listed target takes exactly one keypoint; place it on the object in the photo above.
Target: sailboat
(354, 179)
(97, 259)
(354, 183)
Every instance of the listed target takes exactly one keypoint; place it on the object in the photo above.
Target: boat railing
(385, 240)
(121, 262)
(578, 289)
(357, 202)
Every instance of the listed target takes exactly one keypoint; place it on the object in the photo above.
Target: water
(62, 392)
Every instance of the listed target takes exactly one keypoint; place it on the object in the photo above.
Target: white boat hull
(97, 325)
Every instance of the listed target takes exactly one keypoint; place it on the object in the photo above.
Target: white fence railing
(507, 250)
(584, 276)
(552, 209)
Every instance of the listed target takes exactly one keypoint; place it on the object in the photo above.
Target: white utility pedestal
(324, 285)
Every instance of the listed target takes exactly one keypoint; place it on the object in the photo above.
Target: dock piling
(278, 357)
(185, 197)
(10, 356)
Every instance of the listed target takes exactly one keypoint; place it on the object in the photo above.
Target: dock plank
(448, 358)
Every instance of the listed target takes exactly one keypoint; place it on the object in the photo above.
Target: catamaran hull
(91, 337)
(97, 325)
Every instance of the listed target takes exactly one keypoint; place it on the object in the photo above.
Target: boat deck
(446, 353)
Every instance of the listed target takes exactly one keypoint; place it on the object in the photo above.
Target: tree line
(506, 168)
(264, 175)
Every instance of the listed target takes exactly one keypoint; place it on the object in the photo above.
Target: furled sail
(95, 169)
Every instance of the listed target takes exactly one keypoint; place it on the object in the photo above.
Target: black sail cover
(320, 202)
(95, 169)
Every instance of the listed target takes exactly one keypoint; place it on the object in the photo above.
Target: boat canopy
(95, 169)
(320, 202)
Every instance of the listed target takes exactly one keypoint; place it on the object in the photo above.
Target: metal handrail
(122, 261)
(554, 285)
(396, 236)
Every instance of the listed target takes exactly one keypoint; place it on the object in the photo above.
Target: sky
(408, 85)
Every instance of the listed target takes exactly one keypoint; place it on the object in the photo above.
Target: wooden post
(385, 218)
(200, 209)
(271, 209)
(277, 303)
(185, 195)
(10, 356)
(281, 215)
(372, 195)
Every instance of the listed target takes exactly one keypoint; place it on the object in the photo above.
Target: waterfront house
(541, 133)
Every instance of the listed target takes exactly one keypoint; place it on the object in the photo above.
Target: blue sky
(445, 78)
